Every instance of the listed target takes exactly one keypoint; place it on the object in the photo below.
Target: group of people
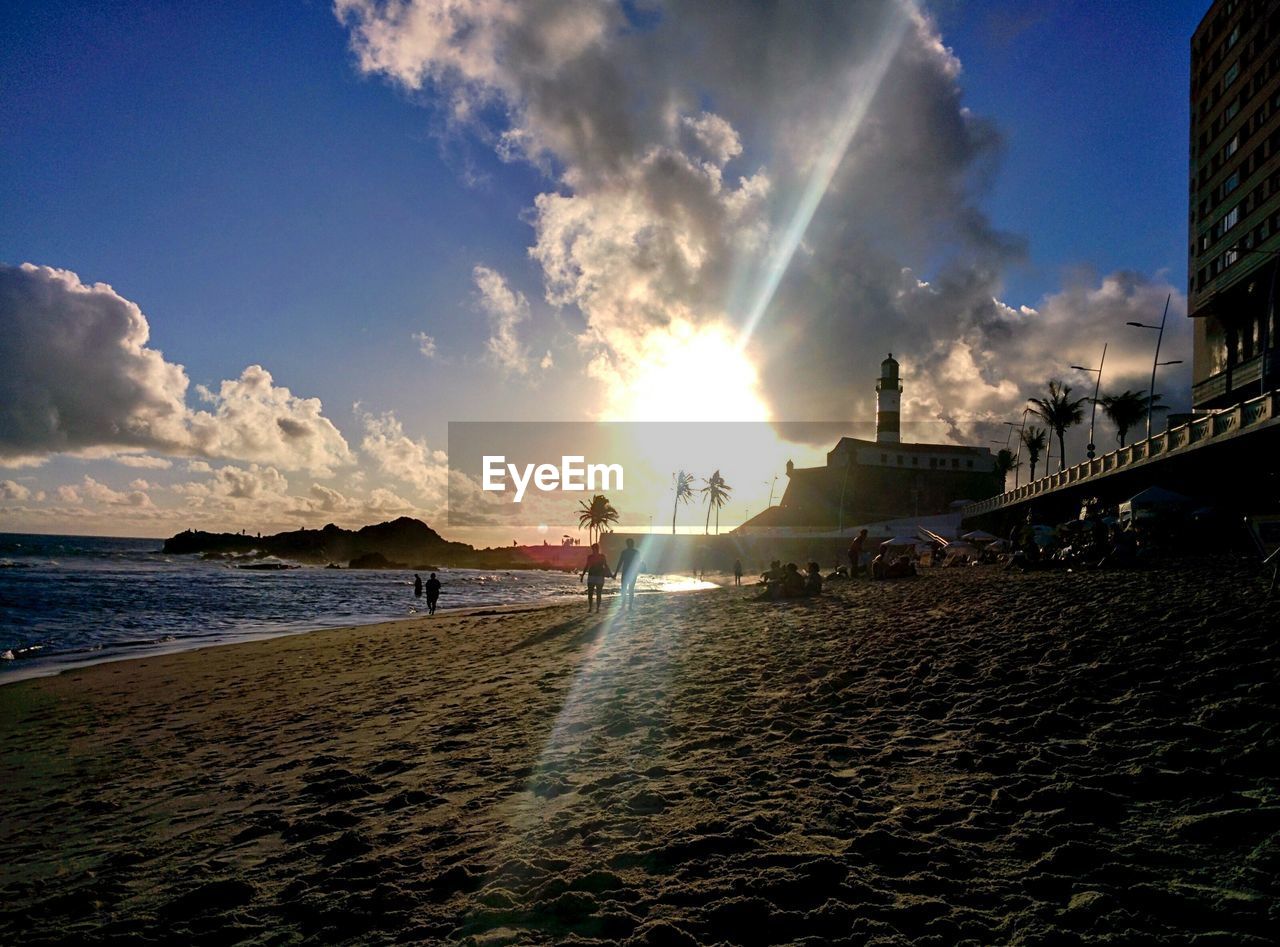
(1090, 542)
(789, 582)
(431, 587)
(885, 564)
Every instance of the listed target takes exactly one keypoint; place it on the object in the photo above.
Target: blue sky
(268, 196)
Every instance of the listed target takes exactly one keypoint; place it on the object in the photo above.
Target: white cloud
(97, 492)
(505, 309)
(77, 376)
(11, 490)
(143, 461)
(253, 419)
(426, 344)
(254, 482)
(411, 461)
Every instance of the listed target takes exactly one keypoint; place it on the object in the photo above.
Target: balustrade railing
(1197, 431)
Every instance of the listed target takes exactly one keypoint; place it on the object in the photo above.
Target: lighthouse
(888, 403)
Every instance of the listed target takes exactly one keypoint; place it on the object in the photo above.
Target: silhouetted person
(856, 548)
(1024, 540)
(629, 571)
(433, 593)
(813, 581)
(596, 570)
(792, 581)
(737, 572)
(417, 585)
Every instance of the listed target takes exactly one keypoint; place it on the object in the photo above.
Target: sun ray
(862, 84)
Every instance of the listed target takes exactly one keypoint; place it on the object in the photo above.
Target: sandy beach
(971, 757)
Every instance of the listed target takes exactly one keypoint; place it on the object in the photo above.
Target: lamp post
(1093, 414)
(1155, 362)
(1017, 459)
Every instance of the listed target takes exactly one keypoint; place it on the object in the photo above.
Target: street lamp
(1017, 459)
(1155, 362)
(1096, 385)
(772, 484)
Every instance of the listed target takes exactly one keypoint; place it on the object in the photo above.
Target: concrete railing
(1192, 434)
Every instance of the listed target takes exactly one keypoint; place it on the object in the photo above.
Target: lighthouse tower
(888, 403)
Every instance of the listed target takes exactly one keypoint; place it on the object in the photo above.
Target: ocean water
(67, 601)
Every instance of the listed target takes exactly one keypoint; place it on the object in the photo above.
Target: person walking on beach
(737, 572)
(417, 585)
(856, 548)
(433, 593)
(596, 570)
(629, 571)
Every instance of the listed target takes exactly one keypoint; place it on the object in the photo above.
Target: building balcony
(1212, 388)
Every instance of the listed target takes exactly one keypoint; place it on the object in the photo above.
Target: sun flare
(687, 374)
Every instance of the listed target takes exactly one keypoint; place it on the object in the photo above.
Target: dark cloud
(77, 376)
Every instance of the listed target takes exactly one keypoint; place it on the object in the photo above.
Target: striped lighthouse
(888, 403)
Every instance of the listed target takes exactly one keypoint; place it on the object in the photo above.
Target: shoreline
(54, 665)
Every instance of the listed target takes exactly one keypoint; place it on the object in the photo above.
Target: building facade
(1234, 250)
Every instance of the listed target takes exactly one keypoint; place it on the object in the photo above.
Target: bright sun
(688, 374)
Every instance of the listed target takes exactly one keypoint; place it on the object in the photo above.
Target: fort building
(865, 481)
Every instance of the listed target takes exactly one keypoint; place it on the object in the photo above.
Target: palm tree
(1060, 412)
(717, 492)
(1004, 464)
(684, 493)
(1127, 409)
(597, 516)
(1034, 439)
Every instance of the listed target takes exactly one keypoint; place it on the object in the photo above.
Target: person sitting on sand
(771, 574)
(1124, 549)
(596, 570)
(813, 581)
(876, 569)
(433, 593)
(629, 570)
(792, 581)
(777, 585)
(899, 568)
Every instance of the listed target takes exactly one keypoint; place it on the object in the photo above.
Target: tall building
(1234, 252)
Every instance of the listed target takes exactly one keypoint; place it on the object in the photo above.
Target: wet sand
(970, 757)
